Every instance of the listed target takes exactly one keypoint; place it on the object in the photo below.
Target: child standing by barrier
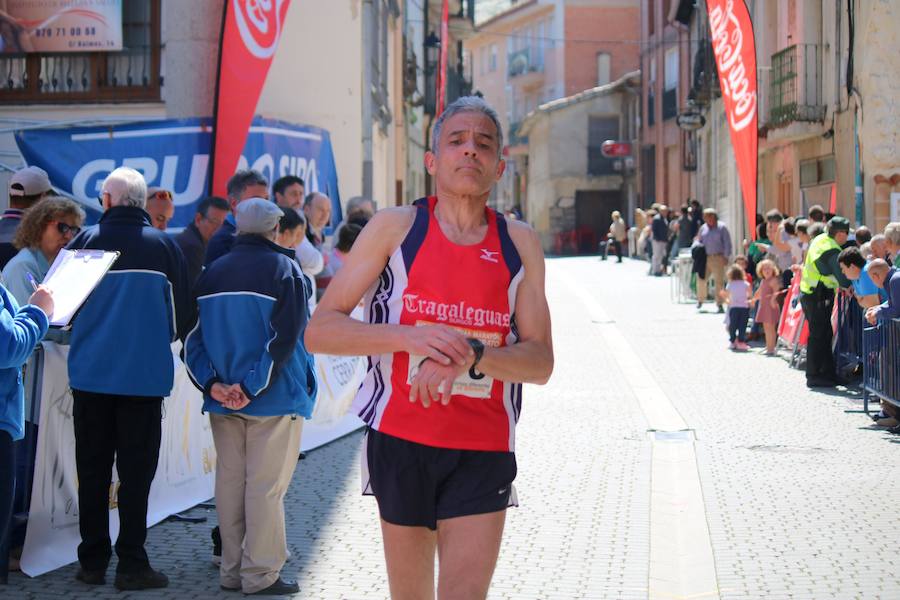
(767, 309)
(737, 295)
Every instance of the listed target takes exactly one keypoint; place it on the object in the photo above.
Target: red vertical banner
(442, 67)
(250, 33)
(832, 206)
(735, 50)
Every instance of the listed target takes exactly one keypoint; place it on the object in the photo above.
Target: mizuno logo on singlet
(489, 255)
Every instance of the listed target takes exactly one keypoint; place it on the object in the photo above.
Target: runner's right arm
(332, 331)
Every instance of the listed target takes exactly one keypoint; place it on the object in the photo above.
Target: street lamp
(432, 58)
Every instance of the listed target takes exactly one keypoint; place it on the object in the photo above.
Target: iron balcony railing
(795, 88)
(527, 60)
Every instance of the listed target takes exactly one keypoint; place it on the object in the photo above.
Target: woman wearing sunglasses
(45, 229)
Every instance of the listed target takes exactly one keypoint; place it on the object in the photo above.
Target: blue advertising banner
(174, 155)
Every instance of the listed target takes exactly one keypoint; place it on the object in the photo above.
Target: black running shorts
(417, 485)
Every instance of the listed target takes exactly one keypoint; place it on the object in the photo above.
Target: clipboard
(72, 277)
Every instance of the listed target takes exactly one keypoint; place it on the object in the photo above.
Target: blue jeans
(737, 322)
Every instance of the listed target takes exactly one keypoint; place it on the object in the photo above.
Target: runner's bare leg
(409, 554)
(467, 551)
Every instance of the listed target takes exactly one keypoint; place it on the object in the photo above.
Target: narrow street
(656, 464)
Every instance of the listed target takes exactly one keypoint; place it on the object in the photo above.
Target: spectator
(766, 299)
(790, 228)
(879, 246)
(684, 231)
(644, 242)
(317, 209)
(247, 356)
(821, 276)
(659, 231)
(45, 230)
(193, 240)
(618, 234)
(717, 240)
(862, 235)
(783, 253)
(21, 329)
(866, 251)
(696, 216)
(289, 194)
(26, 187)
(802, 229)
(242, 185)
(291, 229)
(816, 214)
(737, 295)
(131, 318)
(160, 207)
(888, 279)
(359, 210)
(855, 269)
(892, 242)
(347, 235)
(758, 248)
(289, 191)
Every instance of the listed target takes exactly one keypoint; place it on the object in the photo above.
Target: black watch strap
(477, 348)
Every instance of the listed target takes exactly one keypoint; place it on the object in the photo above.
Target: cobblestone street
(750, 487)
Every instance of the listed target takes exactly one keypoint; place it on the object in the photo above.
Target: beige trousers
(256, 457)
(715, 267)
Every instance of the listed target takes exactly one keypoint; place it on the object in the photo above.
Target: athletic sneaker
(742, 346)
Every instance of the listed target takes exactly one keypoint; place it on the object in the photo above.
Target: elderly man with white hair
(120, 369)
(892, 241)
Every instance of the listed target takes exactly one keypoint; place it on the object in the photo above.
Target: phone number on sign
(61, 32)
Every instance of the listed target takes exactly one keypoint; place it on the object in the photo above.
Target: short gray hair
(243, 179)
(129, 188)
(892, 233)
(467, 104)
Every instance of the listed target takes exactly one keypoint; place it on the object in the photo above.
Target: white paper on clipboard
(72, 277)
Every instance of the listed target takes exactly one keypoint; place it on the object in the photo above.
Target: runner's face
(467, 161)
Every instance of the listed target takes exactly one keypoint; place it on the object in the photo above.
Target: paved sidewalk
(792, 485)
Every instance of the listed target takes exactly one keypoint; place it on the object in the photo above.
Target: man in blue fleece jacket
(246, 354)
(120, 369)
(21, 329)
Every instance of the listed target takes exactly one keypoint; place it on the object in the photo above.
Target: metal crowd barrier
(680, 280)
(881, 362)
(848, 343)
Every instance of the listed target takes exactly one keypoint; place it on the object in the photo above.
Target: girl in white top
(737, 295)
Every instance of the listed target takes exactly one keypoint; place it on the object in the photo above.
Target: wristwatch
(477, 348)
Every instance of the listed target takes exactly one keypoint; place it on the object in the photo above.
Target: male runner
(457, 320)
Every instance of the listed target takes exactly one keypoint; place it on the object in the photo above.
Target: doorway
(592, 216)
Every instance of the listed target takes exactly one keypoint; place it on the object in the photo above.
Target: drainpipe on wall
(860, 200)
(368, 22)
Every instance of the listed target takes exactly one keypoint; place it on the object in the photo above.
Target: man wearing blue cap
(246, 354)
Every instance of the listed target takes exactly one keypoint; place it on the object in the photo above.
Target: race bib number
(471, 383)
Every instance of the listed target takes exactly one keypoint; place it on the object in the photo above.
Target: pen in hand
(32, 281)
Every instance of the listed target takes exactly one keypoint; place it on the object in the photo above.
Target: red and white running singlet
(430, 280)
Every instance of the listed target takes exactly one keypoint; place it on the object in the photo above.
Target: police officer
(819, 281)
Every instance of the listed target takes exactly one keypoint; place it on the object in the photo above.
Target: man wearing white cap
(26, 187)
(246, 354)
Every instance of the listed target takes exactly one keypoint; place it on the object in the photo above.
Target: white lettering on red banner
(458, 313)
(728, 42)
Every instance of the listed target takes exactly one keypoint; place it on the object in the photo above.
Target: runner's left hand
(434, 381)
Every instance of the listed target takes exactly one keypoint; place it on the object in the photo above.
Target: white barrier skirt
(185, 475)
